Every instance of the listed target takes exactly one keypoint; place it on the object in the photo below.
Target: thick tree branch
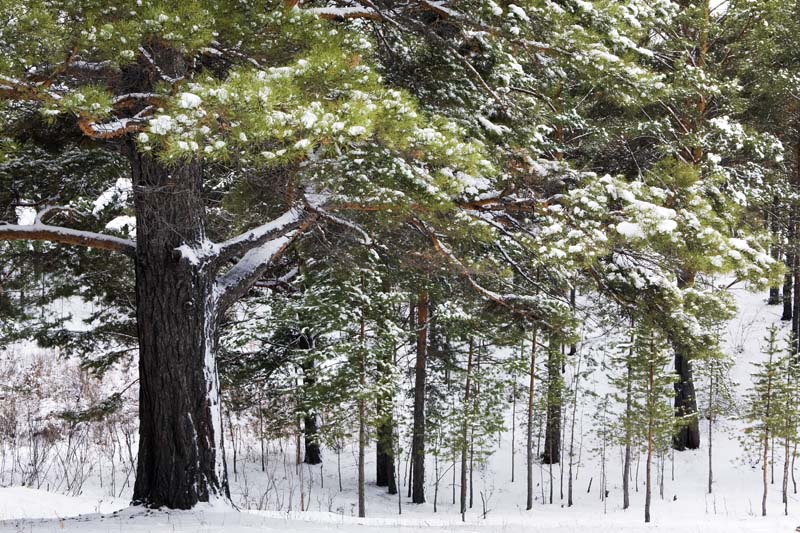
(44, 232)
(246, 272)
(110, 130)
(342, 13)
(243, 243)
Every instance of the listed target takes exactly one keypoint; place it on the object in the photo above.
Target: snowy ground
(270, 500)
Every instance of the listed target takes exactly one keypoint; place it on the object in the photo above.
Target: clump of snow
(189, 101)
(25, 215)
(631, 230)
(118, 193)
(125, 224)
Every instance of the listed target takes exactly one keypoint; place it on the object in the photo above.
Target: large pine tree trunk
(181, 459)
(418, 441)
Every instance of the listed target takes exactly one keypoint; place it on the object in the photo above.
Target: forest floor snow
(269, 499)
(59, 513)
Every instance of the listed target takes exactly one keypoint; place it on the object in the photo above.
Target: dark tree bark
(787, 287)
(529, 437)
(795, 273)
(384, 463)
(773, 223)
(362, 420)
(181, 459)
(626, 468)
(688, 435)
(313, 454)
(648, 468)
(385, 468)
(465, 432)
(552, 435)
(381, 459)
(418, 442)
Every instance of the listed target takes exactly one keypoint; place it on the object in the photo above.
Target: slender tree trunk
(626, 468)
(795, 334)
(362, 419)
(181, 457)
(385, 459)
(381, 458)
(764, 458)
(764, 473)
(786, 448)
(418, 443)
(385, 464)
(649, 463)
(788, 280)
(552, 434)
(529, 439)
(313, 454)
(465, 430)
(688, 435)
(772, 222)
(572, 430)
(710, 429)
(513, 424)
(786, 296)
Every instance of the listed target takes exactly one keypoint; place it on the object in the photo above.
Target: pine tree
(766, 400)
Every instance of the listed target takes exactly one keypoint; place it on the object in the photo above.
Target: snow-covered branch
(243, 243)
(342, 13)
(111, 129)
(45, 232)
(246, 272)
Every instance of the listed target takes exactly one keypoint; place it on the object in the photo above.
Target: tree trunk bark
(787, 287)
(385, 447)
(313, 454)
(626, 469)
(384, 463)
(710, 431)
(795, 336)
(529, 437)
(464, 432)
(648, 468)
(418, 442)
(688, 435)
(181, 458)
(773, 224)
(362, 420)
(381, 457)
(552, 435)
